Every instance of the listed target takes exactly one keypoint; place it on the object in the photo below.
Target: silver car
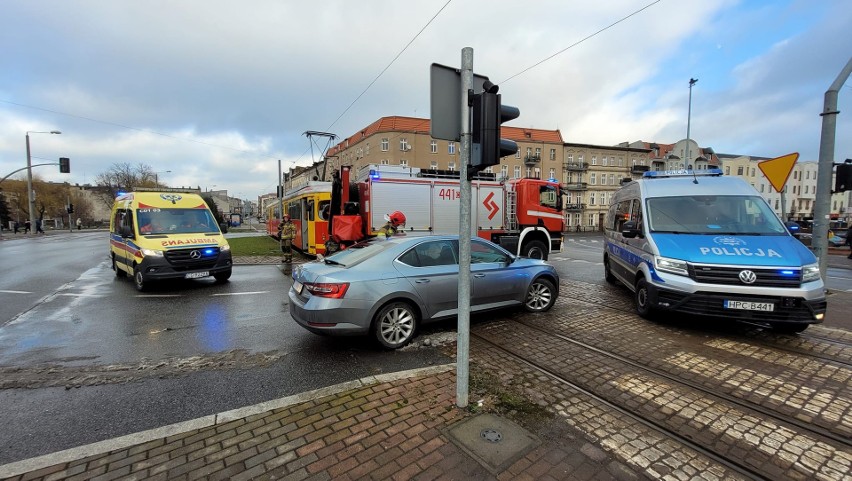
(387, 287)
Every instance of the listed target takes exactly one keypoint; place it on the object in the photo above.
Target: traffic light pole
(463, 341)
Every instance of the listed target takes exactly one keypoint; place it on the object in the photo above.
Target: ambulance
(166, 235)
(700, 243)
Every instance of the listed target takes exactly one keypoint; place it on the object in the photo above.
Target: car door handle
(479, 275)
(422, 281)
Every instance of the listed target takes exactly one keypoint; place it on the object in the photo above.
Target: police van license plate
(196, 275)
(750, 306)
(297, 286)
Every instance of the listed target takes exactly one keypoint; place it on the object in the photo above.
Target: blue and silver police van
(698, 242)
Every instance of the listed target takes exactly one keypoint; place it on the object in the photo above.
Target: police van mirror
(629, 229)
(224, 227)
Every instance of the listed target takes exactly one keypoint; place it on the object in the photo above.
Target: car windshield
(175, 221)
(713, 214)
(358, 252)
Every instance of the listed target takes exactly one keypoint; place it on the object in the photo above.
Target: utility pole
(463, 341)
(692, 82)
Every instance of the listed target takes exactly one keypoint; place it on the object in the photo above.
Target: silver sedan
(387, 287)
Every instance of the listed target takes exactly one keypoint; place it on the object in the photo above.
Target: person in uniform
(395, 220)
(286, 232)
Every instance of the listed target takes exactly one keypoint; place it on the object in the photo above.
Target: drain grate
(491, 435)
(494, 442)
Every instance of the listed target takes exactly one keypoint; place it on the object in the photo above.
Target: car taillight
(327, 289)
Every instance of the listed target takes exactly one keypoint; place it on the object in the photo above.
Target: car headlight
(672, 266)
(225, 247)
(152, 252)
(810, 273)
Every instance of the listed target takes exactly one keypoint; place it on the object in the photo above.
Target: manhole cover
(491, 435)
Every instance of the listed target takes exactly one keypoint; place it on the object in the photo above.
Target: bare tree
(123, 177)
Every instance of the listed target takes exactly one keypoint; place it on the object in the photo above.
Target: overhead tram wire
(581, 41)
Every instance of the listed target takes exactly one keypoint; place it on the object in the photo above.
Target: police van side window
(622, 214)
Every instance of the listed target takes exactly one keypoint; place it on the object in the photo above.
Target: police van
(698, 242)
(166, 235)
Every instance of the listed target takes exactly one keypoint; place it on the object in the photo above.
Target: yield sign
(778, 170)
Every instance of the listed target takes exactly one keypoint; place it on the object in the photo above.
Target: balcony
(639, 169)
(575, 166)
(575, 207)
(532, 159)
(576, 186)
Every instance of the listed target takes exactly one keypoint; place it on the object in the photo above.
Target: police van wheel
(608, 272)
(643, 301)
(118, 271)
(139, 280)
(535, 250)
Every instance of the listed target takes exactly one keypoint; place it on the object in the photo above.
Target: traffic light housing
(64, 165)
(488, 114)
(70, 208)
(843, 177)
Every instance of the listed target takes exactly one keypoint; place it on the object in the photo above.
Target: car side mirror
(630, 229)
(224, 227)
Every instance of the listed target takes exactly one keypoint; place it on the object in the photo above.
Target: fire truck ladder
(511, 213)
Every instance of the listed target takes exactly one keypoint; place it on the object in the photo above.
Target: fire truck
(524, 216)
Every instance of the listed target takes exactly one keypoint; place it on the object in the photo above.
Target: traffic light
(488, 113)
(64, 165)
(70, 208)
(843, 177)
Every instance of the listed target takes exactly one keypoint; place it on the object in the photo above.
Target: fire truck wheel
(118, 271)
(535, 250)
(394, 325)
(540, 296)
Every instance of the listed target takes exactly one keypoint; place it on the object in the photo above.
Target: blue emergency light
(661, 174)
(209, 252)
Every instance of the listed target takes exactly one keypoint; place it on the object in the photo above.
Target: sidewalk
(395, 426)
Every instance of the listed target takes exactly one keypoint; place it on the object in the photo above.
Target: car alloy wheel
(540, 296)
(395, 325)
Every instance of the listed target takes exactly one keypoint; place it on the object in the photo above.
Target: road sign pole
(463, 341)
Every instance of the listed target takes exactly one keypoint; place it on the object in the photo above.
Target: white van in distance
(700, 243)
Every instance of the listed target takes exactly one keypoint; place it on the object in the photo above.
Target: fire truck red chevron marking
(492, 206)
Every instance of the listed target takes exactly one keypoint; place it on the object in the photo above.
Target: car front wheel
(222, 276)
(139, 280)
(541, 296)
(394, 325)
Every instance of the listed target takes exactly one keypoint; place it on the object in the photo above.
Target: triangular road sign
(778, 170)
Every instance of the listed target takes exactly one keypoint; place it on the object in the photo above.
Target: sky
(213, 93)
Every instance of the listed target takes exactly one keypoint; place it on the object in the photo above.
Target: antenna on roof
(694, 177)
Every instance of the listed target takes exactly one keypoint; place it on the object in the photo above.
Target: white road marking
(239, 293)
(159, 295)
(14, 292)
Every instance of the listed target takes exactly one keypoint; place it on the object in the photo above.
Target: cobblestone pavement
(537, 372)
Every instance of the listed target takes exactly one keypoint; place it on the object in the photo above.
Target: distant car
(837, 241)
(388, 287)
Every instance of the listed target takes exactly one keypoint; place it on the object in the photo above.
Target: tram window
(324, 208)
(310, 208)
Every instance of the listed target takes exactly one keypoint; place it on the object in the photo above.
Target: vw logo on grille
(197, 255)
(748, 277)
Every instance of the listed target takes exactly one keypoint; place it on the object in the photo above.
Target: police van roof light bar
(661, 174)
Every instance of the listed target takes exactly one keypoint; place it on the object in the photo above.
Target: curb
(122, 442)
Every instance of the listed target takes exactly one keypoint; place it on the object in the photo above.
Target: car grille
(182, 259)
(711, 304)
(711, 274)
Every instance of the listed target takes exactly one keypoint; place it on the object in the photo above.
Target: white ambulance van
(700, 243)
(166, 235)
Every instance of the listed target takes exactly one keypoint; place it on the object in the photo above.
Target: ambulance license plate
(297, 286)
(196, 275)
(750, 306)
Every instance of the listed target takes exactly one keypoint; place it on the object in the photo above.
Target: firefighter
(286, 232)
(395, 220)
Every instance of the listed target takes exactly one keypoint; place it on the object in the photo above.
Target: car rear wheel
(394, 325)
(541, 296)
(139, 280)
(643, 301)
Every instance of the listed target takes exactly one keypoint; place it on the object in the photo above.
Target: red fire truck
(522, 215)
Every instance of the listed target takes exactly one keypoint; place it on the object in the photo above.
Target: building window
(489, 169)
(403, 163)
(433, 146)
(611, 179)
(552, 154)
(740, 170)
(518, 154)
(761, 188)
(385, 162)
(504, 171)
(451, 148)
(367, 148)
(591, 220)
(385, 144)
(580, 159)
(591, 198)
(570, 158)
(552, 173)
(528, 172)
(593, 178)
(728, 170)
(433, 165)
(604, 161)
(594, 160)
(517, 171)
(603, 179)
(451, 166)
(538, 153)
(403, 145)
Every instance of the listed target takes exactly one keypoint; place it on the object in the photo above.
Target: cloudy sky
(217, 91)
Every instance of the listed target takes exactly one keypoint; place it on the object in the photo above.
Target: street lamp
(157, 176)
(692, 82)
(30, 196)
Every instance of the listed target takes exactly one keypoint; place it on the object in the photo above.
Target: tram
(308, 207)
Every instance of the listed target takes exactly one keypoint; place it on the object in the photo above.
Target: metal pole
(30, 196)
(692, 82)
(280, 200)
(822, 206)
(463, 341)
